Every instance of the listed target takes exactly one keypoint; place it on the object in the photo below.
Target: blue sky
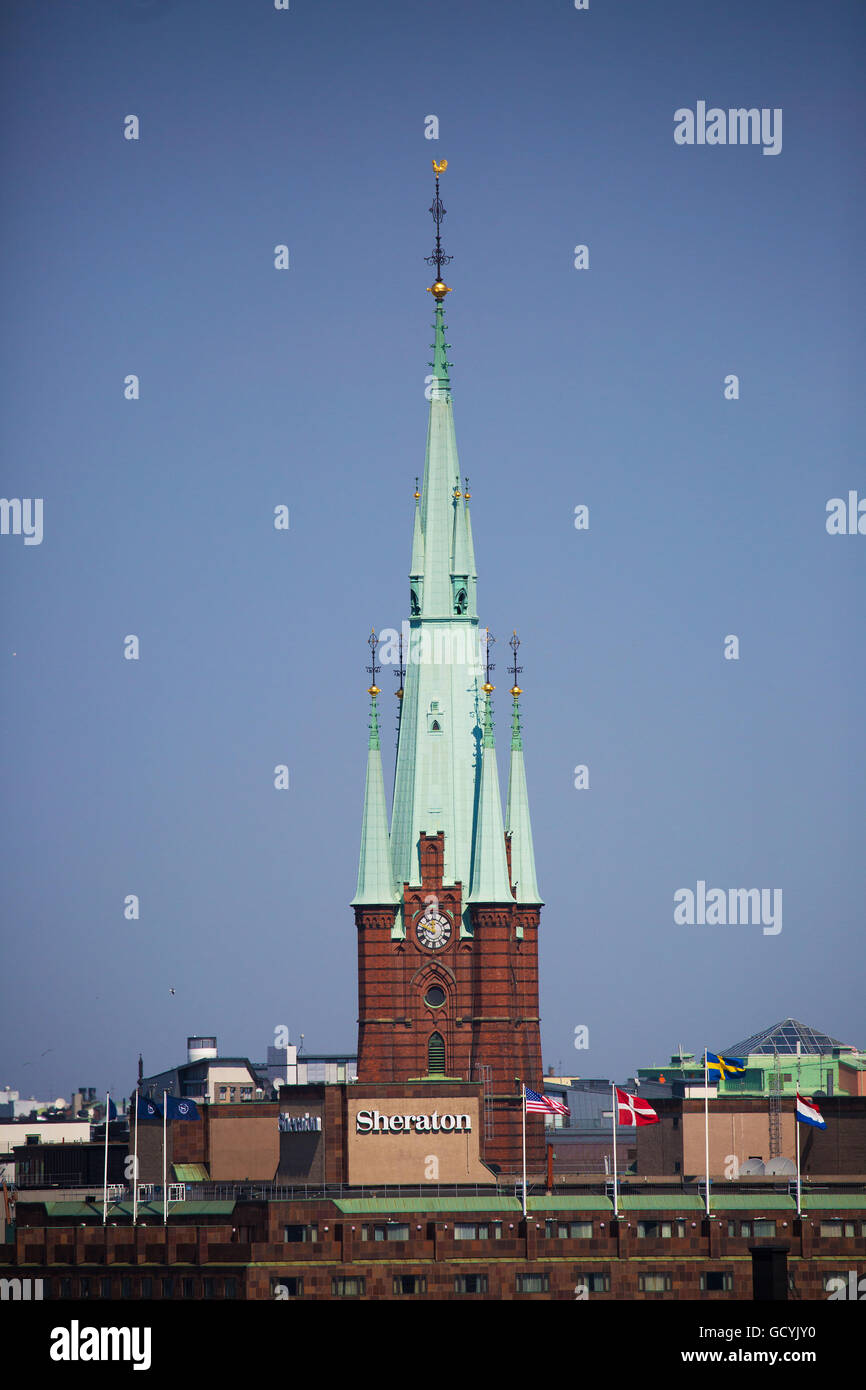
(305, 387)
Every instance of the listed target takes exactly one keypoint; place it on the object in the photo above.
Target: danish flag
(631, 1110)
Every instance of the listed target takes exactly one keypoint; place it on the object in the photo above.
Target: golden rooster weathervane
(438, 289)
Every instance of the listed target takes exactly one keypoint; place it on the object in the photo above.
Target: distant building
(208, 1077)
(14, 1106)
(286, 1067)
(780, 1060)
(749, 1138)
(219, 1080)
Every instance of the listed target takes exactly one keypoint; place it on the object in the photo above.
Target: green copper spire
(489, 866)
(517, 821)
(435, 781)
(441, 467)
(375, 876)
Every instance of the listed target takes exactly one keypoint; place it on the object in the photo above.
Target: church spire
(489, 866)
(375, 875)
(517, 823)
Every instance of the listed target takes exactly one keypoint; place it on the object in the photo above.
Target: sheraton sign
(372, 1122)
(414, 1138)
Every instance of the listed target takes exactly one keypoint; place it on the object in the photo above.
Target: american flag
(543, 1105)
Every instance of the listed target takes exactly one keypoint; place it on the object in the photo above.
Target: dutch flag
(809, 1114)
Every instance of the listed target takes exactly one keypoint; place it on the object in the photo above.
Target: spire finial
(438, 289)
(372, 643)
(514, 643)
(488, 664)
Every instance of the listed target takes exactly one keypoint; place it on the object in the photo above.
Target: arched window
(414, 605)
(436, 1055)
(460, 602)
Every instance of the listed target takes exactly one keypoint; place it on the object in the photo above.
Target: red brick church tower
(447, 908)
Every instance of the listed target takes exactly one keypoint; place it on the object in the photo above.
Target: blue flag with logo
(148, 1109)
(182, 1109)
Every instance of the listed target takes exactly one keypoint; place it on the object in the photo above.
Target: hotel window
(393, 1231)
(231, 1288)
(224, 1091)
(654, 1283)
(849, 1228)
(470, 1230)
(105, 1287)
(830, 1228)
(126, 1287)
(246, 1092)
(745, 1228)
(84, 1288)
(580, 1230)
(209, 1288)
(147, 1287)
(65, 1288)
(292, 1234)
(168, 1288)
(410, 1284)
(715, 1281)
(651, 1230)
(347, 1288)
(532, 1283)
(764, 1227)
(594, 1283)
(470, 1283)
(681, 1229)
(283, 1286)
(188, 1288)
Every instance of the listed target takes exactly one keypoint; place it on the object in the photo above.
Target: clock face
(433, 930)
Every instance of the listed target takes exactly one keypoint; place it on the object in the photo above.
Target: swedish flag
(725, 1066)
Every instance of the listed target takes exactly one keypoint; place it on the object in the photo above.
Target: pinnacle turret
(489, 866)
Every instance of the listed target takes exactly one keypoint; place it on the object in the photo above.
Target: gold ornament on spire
(438, 289)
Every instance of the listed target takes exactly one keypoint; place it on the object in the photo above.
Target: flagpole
(797, 1128)
(613, 1127)
(135, 1165)
(523, 1106)
(105, 1167)
(707, 1127)
(164, 1188)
